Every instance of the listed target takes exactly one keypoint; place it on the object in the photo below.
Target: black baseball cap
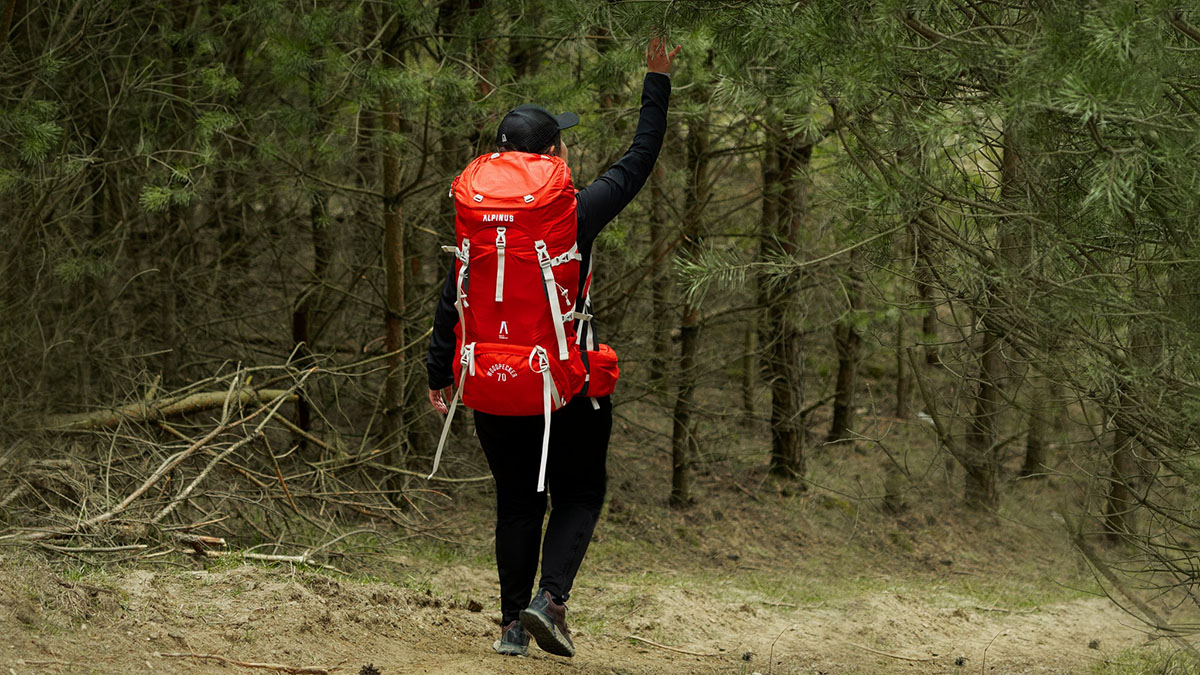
(531, 128)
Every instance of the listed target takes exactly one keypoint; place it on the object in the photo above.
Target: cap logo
(503, 137)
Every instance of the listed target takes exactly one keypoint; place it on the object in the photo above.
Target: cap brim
(566, 120)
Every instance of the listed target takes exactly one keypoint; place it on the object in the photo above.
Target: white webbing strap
(464, 256)
(549, 393)
(544, 261)
(468, 365)
(571, 254)
(461, 255)
(500, 242)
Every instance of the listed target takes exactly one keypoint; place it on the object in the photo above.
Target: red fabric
(507, 331)
(602, 371)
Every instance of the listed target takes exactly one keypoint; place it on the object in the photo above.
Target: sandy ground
(139, 620)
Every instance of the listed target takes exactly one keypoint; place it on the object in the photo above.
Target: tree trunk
(683, 442)
(178, 230)
(785, 211)
(6, 21)
(846, 341)
(1036, 453)
(1143, 354)
(395, 277)
(924, 280)
(903, 374)
(749, 371)
(980, 461)
(660, 277)
(1120, 496)
(308, 302)
(306, 306)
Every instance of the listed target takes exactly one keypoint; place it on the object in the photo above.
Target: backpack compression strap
(547, 264)
(550, 397)
(468, 365)
(464, 256)
(501, 240)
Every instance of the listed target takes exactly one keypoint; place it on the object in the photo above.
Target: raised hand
(657, 58)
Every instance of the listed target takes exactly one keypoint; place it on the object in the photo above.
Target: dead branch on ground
(295, 670)
(144, 411)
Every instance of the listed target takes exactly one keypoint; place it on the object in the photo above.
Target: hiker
(570, 463)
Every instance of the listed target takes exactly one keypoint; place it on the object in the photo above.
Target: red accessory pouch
(506, 380)
(602, 371)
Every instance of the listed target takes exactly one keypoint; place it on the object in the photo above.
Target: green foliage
(77, 269)
(156, 198)
(9, 181)
(35, 128)
(211, 123)
(240, 117)
(216, 81)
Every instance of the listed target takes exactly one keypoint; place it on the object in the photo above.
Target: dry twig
(652, 643)
(892, 656)
(295, 670)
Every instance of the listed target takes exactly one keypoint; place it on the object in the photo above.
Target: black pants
(575, 481)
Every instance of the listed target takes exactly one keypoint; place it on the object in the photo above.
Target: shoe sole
(509, 649)
(548, 636)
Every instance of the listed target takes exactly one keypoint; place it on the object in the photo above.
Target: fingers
(654, 48)
(658, 60)
(437, 400)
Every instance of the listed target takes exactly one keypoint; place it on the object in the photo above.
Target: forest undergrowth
(869, 565)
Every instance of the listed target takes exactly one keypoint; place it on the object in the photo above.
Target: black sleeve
(601, 201)
(441, 343)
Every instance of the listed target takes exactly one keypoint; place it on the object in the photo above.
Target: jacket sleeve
(439, 359)
(601, 201)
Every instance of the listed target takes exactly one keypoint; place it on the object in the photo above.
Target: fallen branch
(200, 542)
(1028, 610)
(172, 407)
(169, 464)
(93, 549)
(405, 472)
(302, 559)
(892, 656)
(69, 664)
(178, 499)
(296, 670)
(652, 643)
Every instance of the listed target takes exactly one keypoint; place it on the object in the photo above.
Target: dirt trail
(125, 622)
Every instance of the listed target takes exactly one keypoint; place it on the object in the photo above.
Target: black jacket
(596, 206)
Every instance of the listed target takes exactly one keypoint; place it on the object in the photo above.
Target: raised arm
(601, 201)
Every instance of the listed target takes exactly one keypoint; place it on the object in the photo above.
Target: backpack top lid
(507, 176)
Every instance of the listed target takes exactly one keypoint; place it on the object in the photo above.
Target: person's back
(574, 438)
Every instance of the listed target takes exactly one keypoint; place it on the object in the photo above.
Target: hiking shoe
(514, 641)
(546, 621)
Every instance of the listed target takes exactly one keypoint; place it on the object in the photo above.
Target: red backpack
(518, 273)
